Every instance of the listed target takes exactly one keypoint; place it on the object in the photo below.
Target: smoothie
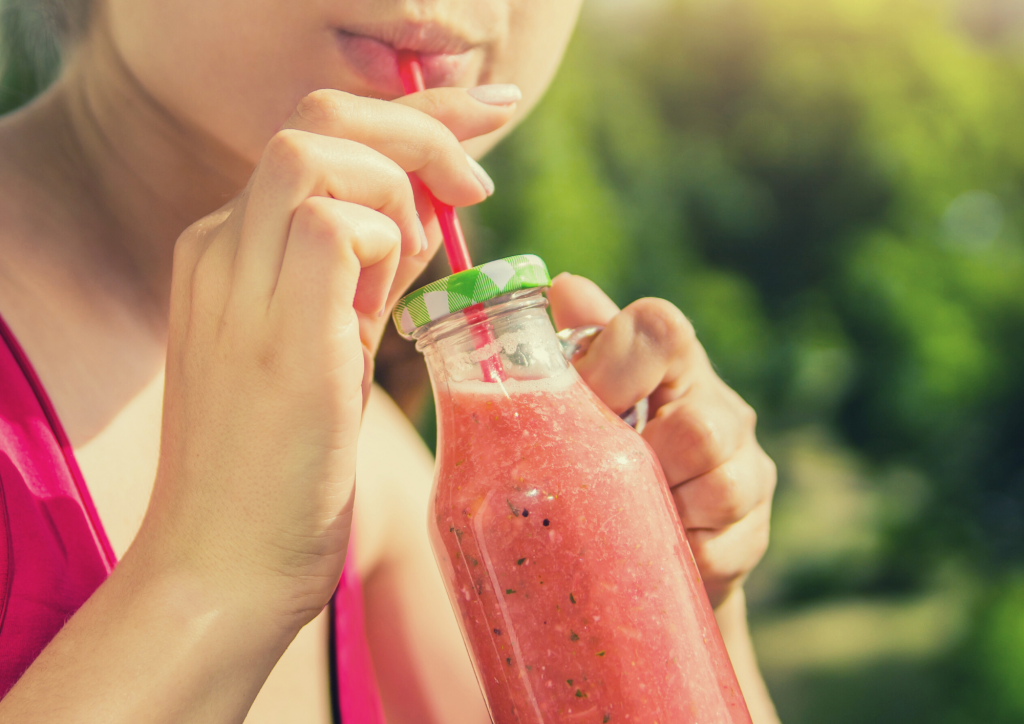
(562, 551)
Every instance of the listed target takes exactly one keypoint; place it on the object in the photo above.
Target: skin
(212, 381)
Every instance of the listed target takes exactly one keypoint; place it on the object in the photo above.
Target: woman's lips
(377, 62)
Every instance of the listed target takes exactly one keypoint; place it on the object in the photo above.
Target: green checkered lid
(464, 289)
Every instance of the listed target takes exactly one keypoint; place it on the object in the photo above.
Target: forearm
(148, 648)
(732, 621)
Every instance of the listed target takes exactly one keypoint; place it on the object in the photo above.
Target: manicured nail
(481, 175)
(497, 94)
(423, 235)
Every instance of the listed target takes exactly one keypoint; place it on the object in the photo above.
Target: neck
(142, 175)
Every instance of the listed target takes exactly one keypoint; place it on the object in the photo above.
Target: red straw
(411, 73)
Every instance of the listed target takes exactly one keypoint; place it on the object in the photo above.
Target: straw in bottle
(411, 73)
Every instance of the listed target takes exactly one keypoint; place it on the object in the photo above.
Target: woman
(210, 382)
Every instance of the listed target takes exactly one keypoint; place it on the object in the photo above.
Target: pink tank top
(54, 552)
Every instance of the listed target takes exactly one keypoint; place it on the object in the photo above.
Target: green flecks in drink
(573, 636)
(569, 682)
(600, 653)
(579, 694)
(514, 509)
(607, 718)
(571, 597)
(510, 590)
(521, 561)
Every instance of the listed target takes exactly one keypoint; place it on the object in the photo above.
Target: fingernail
(423, 235)
(481, 175)
(563, 275)
(382, 311)
(497, 94)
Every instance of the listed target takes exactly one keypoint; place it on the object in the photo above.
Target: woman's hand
(276, 308)
(702, 431)
(274, 313)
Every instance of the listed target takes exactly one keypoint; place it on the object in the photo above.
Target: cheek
(235, 70)
(539, 31)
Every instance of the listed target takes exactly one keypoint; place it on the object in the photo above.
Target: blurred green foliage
(834, 193)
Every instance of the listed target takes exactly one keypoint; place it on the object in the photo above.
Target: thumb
(578, 302)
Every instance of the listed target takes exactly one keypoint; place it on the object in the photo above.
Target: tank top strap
(354, 693)
(54, 552)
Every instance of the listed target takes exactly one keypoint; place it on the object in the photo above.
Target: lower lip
(377, 62)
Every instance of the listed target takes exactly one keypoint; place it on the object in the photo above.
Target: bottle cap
(458, 291)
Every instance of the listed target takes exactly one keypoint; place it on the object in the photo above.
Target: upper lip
(428, 38)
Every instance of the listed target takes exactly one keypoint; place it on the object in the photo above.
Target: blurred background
(833, 191)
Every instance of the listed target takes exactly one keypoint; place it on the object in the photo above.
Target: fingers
(726, 513)
(460, 111)
(700, 430)
(728, 493)
(408, 132)
(296, 166)
(578, 302)
(649, 345)
(339, 256)
(409, 269)
(361, 150)
(726, 556)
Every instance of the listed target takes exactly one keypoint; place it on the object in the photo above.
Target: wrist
(153, 638)
(195, 595)
(731, 614)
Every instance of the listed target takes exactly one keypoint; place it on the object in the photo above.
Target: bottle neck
(523, 342)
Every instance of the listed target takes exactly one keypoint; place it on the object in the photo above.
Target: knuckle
(323, 105)
(662, 325)
(288, 154)
(439, 139)
(317, 222)
(394, 233)
(730, 502)
(396, 182)
(699, 436)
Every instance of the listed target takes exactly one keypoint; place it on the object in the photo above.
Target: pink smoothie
(562, 550)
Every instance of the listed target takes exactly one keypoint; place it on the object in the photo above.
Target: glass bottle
(552, 523)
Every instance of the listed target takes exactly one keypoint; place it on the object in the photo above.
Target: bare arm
(152, 644)
(732, 621)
